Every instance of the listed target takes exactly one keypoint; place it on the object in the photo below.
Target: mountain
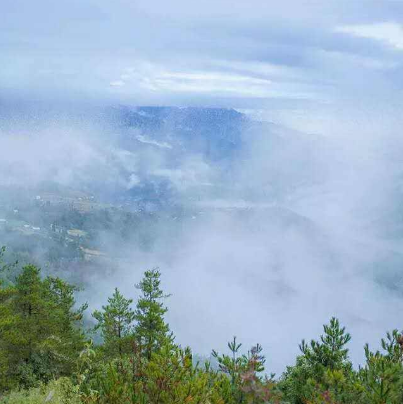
(213, 132)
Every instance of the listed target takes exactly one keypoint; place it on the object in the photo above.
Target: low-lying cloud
(295, 233)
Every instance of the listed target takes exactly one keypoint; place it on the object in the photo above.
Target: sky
(241, 54)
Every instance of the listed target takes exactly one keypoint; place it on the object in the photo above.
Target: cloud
(243, 52)
(389, 32)
(292, 241)
(117, 83)
(308, 244)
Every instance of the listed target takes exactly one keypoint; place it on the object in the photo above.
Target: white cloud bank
(389, 33)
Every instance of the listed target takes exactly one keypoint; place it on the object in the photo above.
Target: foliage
(382, 375)
(56, 392)
(39, 339)
(116, 324)
(5, 268)
(245, 384)
(322, 368)
(169, 377)
(45, 357)
(151, 331)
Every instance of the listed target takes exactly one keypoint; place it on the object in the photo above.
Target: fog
(297, 228)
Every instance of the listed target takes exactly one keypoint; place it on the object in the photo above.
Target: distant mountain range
(189, 163)
(212, 132)
(162, 152)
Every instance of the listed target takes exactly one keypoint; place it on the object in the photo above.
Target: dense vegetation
(47, 356)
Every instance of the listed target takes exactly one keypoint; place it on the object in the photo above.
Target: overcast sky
(238, 53)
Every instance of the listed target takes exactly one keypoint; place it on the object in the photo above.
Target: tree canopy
(47, 355)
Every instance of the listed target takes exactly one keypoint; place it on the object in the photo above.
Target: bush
(60, 391)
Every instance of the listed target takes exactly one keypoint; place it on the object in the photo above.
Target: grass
(56, 392)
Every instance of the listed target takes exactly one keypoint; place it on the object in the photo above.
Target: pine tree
(382, 375)
(39, 339)
(244, 384)
(322, 368)
(116, 324)
(2, 251)
(5, 268)
(330, 351)
(151, 330)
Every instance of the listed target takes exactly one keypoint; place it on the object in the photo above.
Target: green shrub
(60, 391)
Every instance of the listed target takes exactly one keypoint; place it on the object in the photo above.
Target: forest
(48, 355)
